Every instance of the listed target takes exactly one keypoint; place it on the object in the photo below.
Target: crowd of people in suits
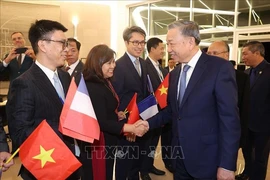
(213, 109)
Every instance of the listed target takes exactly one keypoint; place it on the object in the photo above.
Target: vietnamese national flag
(78, 118)
(46, 156)
(133, 110)
(162, 92)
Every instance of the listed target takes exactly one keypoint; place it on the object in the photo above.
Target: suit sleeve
(119, 84)
(20, 111)
(3, 138)
(229, 123)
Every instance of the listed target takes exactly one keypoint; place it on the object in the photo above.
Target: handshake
(139, 128)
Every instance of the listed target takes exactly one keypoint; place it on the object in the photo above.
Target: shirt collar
(260, 66)
(154, 62)
(49, 73)
(192, 63)
(131, 57)
(73, 66)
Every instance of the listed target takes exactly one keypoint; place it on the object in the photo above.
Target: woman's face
(107, 68)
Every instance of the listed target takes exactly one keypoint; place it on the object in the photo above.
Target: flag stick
(126, 111)
(11, 157)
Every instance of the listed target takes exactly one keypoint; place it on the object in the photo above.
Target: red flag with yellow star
(46, 156)
(162, 91)
(133, 110)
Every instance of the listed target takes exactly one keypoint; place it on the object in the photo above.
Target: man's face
(18, 40)
(56, 51)
(135, 50)
(171, 63)
(179, 46)
(73, 53)
(218, 49)
(158, 52)
(248, 57)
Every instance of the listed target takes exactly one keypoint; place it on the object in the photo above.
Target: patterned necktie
(182, 87)
(137, 66)
(252, 76)
(20, 60)
(58, 87)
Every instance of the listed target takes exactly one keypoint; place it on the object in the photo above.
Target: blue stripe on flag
(146, 103)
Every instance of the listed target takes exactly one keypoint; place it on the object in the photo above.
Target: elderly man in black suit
(39, 93)
(256, 151)
(74, 65)
(16, 63)
(4, 150)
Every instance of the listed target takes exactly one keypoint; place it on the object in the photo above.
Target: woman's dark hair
(98, 55)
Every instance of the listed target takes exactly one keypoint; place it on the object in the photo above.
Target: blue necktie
(252, 76)
(182, 87)
(58, 87)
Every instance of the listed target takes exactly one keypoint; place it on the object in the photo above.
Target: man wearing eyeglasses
(19, 58)
(130, 78)
(39, 93)
(221, 49)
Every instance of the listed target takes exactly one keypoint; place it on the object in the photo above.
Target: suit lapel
(259, 75)
(174, 85)
(44, 84)
(153, 69)
(200, 67)
(77, 69)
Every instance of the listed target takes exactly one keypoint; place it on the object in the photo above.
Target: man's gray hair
(187, 28)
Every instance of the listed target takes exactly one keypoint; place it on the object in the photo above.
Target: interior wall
(94, 25)
(94, 22)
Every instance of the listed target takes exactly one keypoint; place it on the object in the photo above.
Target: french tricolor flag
(148, 107)
(78, 118)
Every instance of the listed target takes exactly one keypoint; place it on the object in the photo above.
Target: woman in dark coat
(98, 70)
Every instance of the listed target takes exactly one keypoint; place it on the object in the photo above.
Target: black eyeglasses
(136, 43)
(64, 42)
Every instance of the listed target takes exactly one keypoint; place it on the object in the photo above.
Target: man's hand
(12, 54)
(142, 123)
(224, 174)
(141, 128)
(30, 53)
(3, 158)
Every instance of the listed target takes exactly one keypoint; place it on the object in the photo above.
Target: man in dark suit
(39, 93)
(15, 64)
(221, 49)
(202, 104)
(4, 150)
(171, 65)
(256, 150)
(74, 66)
(155, 48)
(130, 78)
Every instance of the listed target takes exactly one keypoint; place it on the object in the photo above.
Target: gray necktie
(137, 66)
(182, 88)
(58, 87)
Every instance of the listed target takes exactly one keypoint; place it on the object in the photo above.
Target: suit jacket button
(178, 118)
